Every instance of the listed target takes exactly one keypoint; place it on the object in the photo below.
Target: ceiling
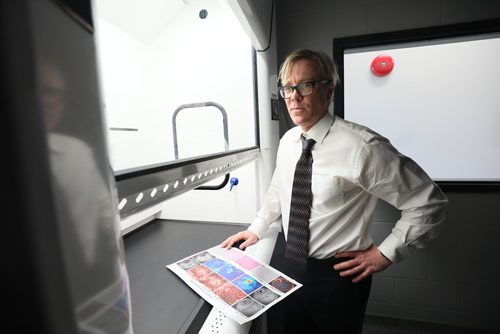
(142, 19)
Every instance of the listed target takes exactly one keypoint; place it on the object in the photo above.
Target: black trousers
(326, 303)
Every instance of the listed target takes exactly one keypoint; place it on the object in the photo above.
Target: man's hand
(362, 263)
(247, 236)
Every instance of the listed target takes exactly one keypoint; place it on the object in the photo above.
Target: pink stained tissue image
(199, 271)
(230, 294)
(213, 281)
(247, 262)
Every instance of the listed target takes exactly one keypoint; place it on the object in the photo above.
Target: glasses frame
(296, 87)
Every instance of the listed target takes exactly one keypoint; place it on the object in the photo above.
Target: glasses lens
(286, 91)
(305, 88)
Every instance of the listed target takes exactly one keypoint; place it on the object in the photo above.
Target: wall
(454, 280)
(240, 204)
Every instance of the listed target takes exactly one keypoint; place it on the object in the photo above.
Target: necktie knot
(307, 144)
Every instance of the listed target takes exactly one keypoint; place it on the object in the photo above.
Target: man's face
(306, 111)
(52, 95)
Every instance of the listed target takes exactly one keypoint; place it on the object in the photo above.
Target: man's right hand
(248, 238)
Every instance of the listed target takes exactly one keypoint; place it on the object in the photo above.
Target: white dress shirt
(352, 167)
(77, 175)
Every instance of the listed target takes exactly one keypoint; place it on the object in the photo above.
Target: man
(352, 167)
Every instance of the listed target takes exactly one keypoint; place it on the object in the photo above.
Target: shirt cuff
(393, 249)
(259, 227)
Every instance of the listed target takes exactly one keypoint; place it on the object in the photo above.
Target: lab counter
(161, 301)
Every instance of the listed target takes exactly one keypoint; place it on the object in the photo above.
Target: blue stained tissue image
(230, 272)
(215, 263)
(247, 283)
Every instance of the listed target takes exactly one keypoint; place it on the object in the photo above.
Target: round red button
(382, 65)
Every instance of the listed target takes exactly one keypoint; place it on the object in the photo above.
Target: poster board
(234, 282)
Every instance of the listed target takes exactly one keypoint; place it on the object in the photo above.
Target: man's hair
(326, 65)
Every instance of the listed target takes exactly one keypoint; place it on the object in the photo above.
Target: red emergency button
(382, 65)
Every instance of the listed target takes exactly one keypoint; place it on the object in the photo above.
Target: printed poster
(235, 283)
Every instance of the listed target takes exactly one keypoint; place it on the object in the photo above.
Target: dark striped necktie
(297, 244)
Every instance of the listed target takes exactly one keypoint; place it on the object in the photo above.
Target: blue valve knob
(234, 181)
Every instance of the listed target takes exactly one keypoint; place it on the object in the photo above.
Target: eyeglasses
(303, 88)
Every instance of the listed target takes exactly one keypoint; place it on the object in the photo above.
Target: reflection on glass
(92, 249)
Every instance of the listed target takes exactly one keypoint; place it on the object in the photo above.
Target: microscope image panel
(248, 306)
(187, 263)
(215, 263)
(264, 296)
(213, 281)
(199, 272)
(247, 283)
(203, 257)
(230, 294)
(230, 272)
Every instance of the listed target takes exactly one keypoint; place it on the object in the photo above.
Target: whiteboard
(440, 105)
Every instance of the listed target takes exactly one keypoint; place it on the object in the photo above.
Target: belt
(316, 268)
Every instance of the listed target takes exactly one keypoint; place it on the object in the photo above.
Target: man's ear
(329, 94)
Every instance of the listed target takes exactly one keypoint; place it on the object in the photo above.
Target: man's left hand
(362, 263)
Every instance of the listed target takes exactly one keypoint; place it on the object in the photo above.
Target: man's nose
(295, 95)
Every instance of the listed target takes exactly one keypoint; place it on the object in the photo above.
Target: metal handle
(199, 105)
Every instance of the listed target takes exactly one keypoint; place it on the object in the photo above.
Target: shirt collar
(319, 131)
(56, 142)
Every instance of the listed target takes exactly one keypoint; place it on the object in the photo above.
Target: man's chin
(297, 120)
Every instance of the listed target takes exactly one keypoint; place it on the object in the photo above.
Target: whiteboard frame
(444, 32)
